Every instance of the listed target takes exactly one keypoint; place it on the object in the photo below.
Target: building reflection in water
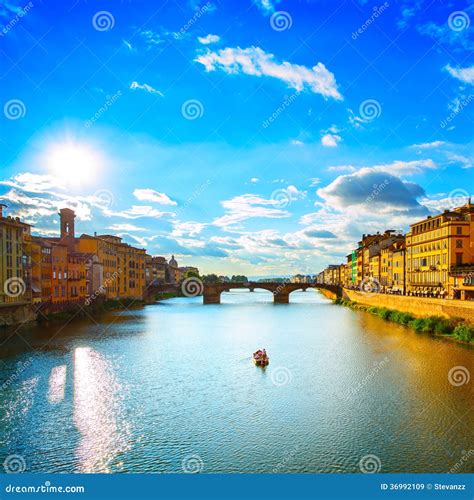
(98, 413)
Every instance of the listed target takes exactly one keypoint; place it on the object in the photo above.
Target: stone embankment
(417, 306)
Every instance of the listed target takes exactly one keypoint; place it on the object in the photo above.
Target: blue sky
(259, 137)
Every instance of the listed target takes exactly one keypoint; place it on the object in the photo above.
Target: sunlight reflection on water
(97, 412)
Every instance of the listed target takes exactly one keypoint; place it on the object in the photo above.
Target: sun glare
(73, 163)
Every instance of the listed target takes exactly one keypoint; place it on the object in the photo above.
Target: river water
(171, 388)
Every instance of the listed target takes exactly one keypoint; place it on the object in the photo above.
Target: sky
(261, 137)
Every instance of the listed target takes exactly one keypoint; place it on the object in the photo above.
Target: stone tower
(67, 217)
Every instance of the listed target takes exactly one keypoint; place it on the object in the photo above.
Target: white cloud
(254, 61)
(206, 40)
(294, 193)
(34, 183)
(33, 208)
(342, 168)
(254, 180)
(247, 206)
(369, 189)
(128, 45)
(457, 158)
(146, 88)
(154, 196)
(125, 227)
(265, 5)
(429, 145)
(397, 167)
(137, 212)
(189, 228)
(465, 75)
(330, 140)
(152, 38)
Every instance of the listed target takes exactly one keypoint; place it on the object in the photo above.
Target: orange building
(59, 261)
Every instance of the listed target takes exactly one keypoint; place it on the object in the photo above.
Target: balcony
(461, 269)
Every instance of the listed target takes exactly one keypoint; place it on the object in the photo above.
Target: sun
(73, 163)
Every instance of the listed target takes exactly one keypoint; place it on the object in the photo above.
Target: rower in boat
(260, 358)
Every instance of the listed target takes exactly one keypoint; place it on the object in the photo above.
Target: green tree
(210, 278)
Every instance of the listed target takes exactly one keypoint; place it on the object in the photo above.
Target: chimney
(2, 206)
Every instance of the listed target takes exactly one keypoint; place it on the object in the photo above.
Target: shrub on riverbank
(464, 332)
(436, 325)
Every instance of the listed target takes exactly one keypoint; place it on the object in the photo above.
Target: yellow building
(396, 268)
(374, 267)
(15, 286)
(132, 278)
(33, 268)
(439, 250)
(105, 247)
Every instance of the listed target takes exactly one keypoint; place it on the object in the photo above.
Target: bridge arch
(280, 290)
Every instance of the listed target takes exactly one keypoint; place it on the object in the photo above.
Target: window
(458, 259)
(458, 243)
(458, 230)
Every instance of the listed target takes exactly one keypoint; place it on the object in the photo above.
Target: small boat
(260, 358)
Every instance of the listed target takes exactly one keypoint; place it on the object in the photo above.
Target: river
(171, 388)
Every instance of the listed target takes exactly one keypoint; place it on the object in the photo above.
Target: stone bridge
(152, 290)
(280, 290)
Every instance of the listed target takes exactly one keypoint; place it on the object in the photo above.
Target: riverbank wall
(417, 306)
(16, 314)
(328, 294)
